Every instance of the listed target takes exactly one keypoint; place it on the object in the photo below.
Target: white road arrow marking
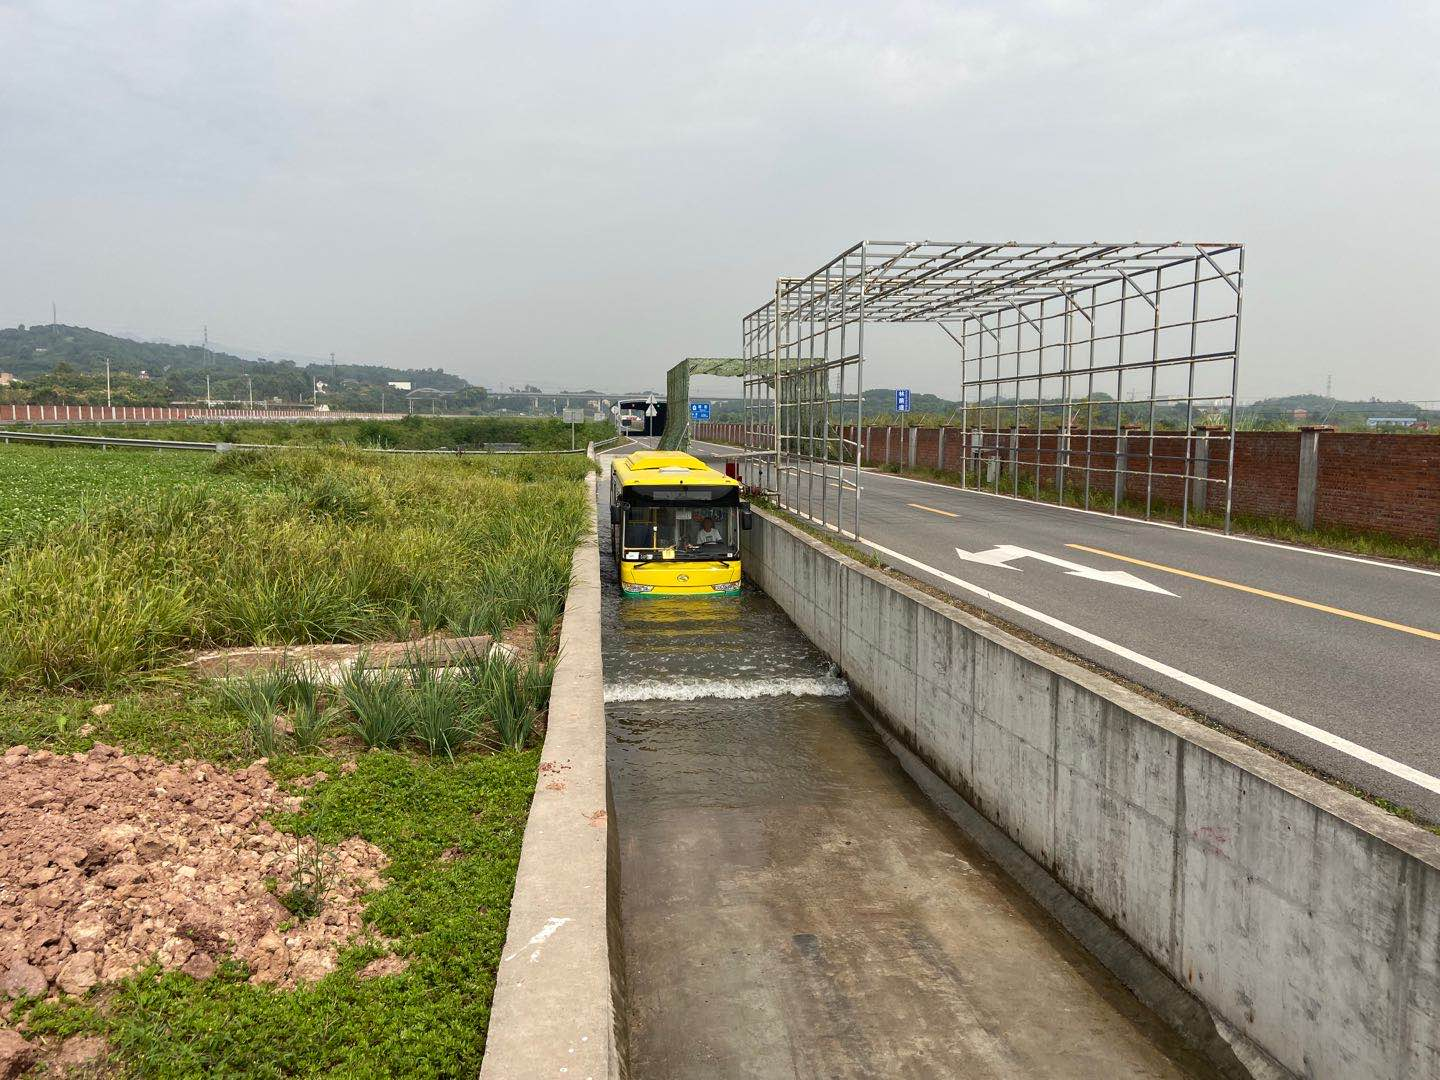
(1004, 554)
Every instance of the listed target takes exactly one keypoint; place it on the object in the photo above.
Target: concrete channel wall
(557, 1007)
(1306, 921)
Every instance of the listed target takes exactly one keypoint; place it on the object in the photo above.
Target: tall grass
(478, 698)
(378, 703)
(316, 546)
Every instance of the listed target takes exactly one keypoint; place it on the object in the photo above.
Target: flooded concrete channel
(793, 905)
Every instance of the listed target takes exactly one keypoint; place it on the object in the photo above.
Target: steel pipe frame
(992, 291)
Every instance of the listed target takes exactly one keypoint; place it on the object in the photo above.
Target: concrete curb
(555, 1011)
(1305, 920)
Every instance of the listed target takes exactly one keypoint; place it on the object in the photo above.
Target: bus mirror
(747, 519)
(615, 512)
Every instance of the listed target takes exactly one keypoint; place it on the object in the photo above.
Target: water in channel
(793, 906)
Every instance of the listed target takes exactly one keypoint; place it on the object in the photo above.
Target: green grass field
(42, 486)
(408, 433)
(265, 547)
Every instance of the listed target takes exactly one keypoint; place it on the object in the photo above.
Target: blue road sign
(699, 410)
(902, 400)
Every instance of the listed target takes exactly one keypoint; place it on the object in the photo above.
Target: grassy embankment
(408, 433)
(112, 565)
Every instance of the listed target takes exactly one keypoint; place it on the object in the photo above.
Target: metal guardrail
(224, 447)
(106, 440)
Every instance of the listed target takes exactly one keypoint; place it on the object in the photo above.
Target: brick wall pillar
(1122, 463)
(1307, 483)
(1198, 467)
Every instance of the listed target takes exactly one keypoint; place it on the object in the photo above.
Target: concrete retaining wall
(556, 1009)
(1305, 920)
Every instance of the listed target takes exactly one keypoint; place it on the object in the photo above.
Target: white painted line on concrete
(545, 933)
(1265, 712)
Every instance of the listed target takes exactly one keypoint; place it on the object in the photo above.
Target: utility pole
(382, 401)
(206, 363)
(107, 382)
(250, 384)
(1329, 382)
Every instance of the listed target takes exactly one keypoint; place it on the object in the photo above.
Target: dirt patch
(225, 663)
(521, 638)
(110, 860)
(386, 965)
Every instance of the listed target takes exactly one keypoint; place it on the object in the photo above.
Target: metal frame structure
(1077, 361)
(677, 393)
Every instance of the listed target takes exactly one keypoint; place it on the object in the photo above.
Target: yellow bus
(676, 525)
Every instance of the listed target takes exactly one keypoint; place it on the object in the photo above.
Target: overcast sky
(582, 193)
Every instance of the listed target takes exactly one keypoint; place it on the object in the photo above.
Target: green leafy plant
(440, 720)
(378, 701)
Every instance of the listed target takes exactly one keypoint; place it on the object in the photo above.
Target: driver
(708, 533)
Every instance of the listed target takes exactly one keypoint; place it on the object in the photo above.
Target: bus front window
(681, 532)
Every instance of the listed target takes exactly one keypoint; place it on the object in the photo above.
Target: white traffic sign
(614, 410)
(649, 399)
(651, 411)
(573, 416)
(1003, 555)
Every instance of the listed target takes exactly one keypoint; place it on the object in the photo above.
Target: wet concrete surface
(793, 906)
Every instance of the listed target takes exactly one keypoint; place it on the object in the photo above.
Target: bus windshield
(681, 532)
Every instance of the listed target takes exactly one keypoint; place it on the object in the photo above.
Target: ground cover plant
(412, 1001)
(42, 487)
(286, 547)
(407, 433)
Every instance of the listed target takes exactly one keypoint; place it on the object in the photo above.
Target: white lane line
(1265, 712)
(1191, 530)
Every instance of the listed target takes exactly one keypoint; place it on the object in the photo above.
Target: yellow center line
(1431, 634)
(932, 510)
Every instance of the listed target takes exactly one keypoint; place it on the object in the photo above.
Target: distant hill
(65, 362)
(1318, 406)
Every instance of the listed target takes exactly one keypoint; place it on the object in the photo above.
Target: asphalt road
(1332, 660)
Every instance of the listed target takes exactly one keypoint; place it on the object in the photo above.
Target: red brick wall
(1385, 482)
(1267, 472)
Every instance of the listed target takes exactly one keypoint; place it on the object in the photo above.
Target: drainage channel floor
(793, 906)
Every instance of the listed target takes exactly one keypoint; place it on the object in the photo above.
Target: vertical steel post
(1234, 387)
(860, 374)
(1190, 395)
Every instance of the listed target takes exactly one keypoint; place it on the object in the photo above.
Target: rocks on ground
(110, 860)
(16, 1054)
